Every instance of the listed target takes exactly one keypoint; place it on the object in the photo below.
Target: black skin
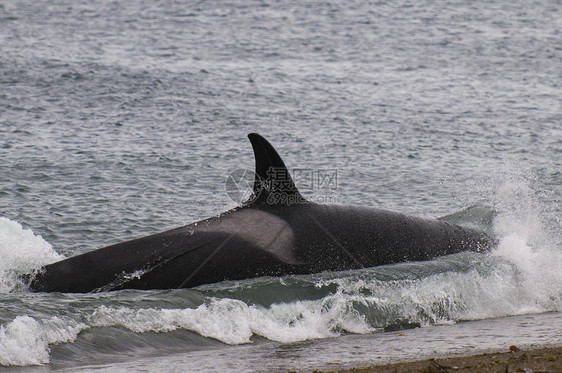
(277, 233)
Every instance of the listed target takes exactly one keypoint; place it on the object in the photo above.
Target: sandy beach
(515, 360)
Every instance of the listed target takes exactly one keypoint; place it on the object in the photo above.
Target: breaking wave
(21, 252)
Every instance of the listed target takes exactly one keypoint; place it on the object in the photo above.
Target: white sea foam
(234, 322)
(25, 341)
(526, 243)
(21, 252)
(441, 298)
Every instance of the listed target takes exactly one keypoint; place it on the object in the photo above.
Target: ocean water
(123, 119)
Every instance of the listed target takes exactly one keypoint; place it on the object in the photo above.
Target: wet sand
(515, 360)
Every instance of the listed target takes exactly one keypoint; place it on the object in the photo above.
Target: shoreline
(545, 359)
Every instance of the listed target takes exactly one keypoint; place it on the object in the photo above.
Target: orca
(276, 232)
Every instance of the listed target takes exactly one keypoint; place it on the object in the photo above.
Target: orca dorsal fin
(273, 183)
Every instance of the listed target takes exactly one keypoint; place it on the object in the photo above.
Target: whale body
(276, 232)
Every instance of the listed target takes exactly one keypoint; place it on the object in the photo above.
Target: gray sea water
(123, 119)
